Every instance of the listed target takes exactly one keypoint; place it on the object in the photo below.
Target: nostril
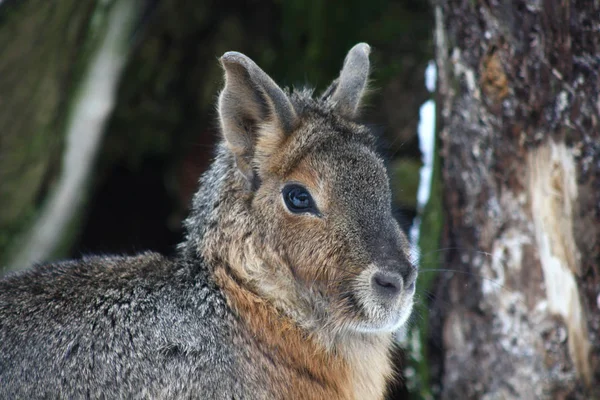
(411, 281)
(387, 284)
(382, 281)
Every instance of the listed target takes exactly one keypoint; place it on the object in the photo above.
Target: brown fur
(346, 367)
(305, 369)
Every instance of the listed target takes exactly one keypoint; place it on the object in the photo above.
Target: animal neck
(221, 229)
(368, 357)
(356, 368)
(350, 366)
(207, 205)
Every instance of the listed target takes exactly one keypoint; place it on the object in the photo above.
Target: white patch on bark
(84, 131)
(552, 180)
(507, 254)
(562, 102)
(461, 70)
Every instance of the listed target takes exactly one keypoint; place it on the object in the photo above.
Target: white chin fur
(380, 317)
(394, 324)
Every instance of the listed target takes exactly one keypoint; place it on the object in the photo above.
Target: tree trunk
(519, 86)
(36, 74)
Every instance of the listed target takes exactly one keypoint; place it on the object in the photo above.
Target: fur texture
(262, 301)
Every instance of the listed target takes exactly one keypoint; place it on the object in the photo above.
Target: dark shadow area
(130, 212)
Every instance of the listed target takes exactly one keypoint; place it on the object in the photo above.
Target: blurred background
(107, 107)
(154, 110)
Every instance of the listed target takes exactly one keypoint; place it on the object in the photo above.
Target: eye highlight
(298, 200)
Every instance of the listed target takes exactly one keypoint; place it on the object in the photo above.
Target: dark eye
(298, 200)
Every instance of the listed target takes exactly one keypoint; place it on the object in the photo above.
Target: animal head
(305, 217)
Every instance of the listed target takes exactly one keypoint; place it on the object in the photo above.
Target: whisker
(471, 274)
(418, 257)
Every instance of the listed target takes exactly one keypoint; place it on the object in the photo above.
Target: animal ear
(251, 105)
(347, 90)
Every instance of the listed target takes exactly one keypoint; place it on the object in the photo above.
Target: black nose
(387, 284)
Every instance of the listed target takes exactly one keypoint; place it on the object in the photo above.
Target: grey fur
(151, 327)
(352, 81)
(136, 327)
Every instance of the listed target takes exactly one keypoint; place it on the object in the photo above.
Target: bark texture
(519, 86)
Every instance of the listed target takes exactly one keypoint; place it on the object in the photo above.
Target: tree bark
(519, 86)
